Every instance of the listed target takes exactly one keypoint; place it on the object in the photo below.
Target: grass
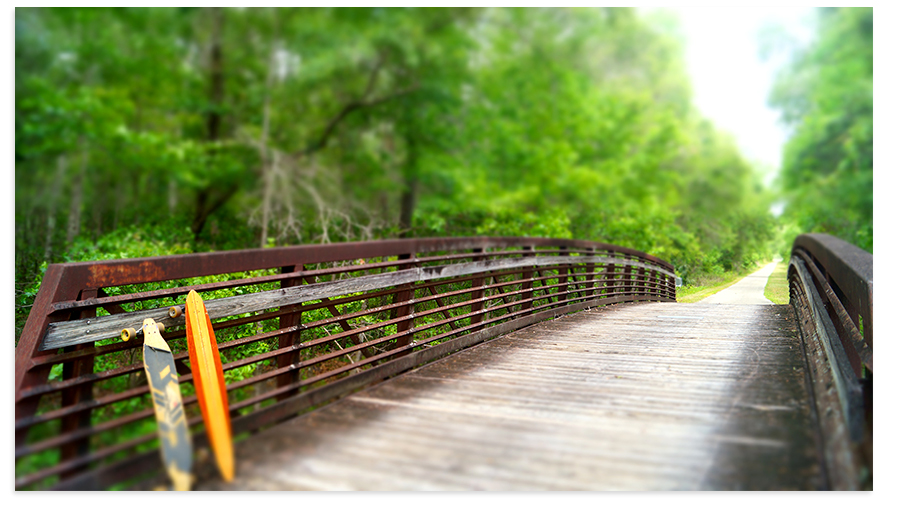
(710, 284)
(777, 286)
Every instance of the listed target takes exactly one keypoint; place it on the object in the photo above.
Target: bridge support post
(610, 278)
(477, 293)
(72, 396)
(563, 273)
(656, 287)
(291, 319)
(627, 278)
(405, 293)
(641, 279)
(589, 282)
(527, 275)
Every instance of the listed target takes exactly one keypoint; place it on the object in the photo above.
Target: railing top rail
(97, 274)
(847, 266)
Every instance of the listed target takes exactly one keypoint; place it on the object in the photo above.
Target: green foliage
(349, 124)
(826, 96)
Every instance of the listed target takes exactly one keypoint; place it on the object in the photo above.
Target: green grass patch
(777, 287)
(707, 285)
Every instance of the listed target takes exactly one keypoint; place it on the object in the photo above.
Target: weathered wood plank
(62, 334)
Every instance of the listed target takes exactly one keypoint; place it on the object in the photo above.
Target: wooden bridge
(459, 364)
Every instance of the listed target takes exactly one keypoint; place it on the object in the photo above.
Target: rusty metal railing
(831, 293)
(296, 327)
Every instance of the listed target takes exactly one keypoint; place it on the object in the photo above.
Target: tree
(826, 97)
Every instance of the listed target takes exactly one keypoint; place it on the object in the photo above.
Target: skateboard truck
(131, 333)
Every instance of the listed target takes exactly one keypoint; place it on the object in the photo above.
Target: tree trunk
(173, 196)
(74, 227)
(411, 182)
(408, 205)
(203, 208)
(264, 153)
(216, 77)
(61, 165)
(200, 213)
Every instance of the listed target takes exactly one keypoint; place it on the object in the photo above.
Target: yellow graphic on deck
(174, 437)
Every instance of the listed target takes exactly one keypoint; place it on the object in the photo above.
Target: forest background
(158, 131)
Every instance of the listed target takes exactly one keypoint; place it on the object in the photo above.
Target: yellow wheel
(128, 334)
(175, 311)
(161, 327)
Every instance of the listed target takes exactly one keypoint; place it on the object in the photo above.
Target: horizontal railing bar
(94, 456)
(83, 432)
(136, 367)
(76, 332)
(107, 349)
(75, 305)
(857, 347)
(119, 299)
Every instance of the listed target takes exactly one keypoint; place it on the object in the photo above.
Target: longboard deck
(209, 382)
(174, 439)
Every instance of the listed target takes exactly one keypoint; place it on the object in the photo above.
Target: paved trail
(748, 291)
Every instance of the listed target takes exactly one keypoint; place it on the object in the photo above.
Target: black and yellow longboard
(174, 438)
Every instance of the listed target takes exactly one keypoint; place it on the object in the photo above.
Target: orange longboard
(209, 383)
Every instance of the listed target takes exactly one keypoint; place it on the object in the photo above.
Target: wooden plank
(77, 332)
(662, 396)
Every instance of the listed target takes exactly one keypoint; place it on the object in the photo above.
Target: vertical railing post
(661, 285)
(80, 393)
(589, 277)
(563, 278)
(477, 293)
(55, 287)
(404, 293)
(291, 319)
(641, 279)
(654, 287)
(527, 274)
(610, 278)
(626, 276)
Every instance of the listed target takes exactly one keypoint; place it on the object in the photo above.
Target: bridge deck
(632, 397)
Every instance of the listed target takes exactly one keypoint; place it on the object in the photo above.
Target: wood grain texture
(62, 334)
(661, 396)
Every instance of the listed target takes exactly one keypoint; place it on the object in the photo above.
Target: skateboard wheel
(161, 327)
(175, 311)
(128, 334)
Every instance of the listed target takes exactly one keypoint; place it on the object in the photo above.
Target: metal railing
(831, 293)
(296, 327)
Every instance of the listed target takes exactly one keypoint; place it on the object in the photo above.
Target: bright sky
(731, 82)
